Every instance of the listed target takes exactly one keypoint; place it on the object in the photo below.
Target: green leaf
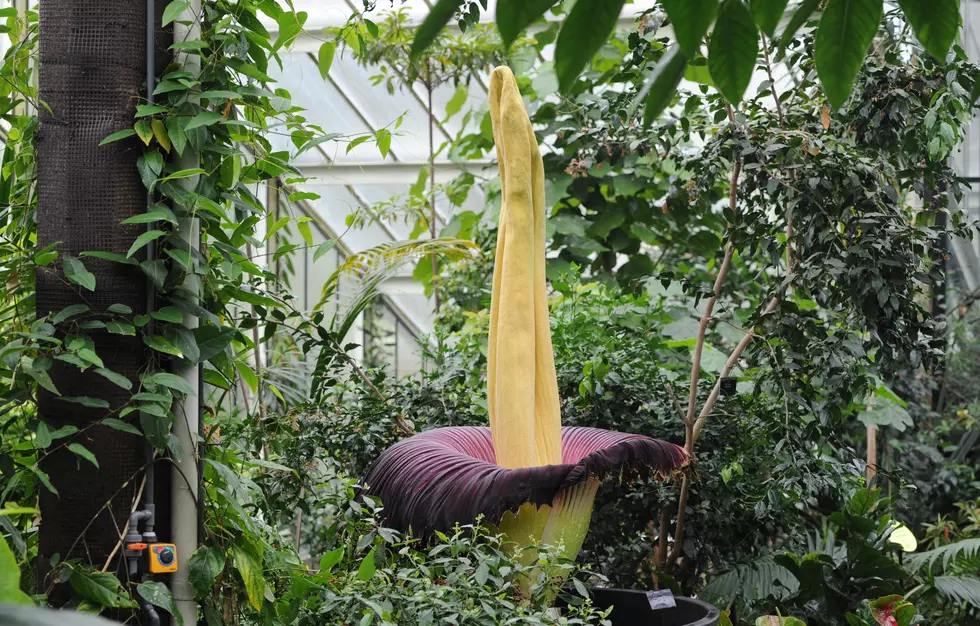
(691, 20)
(75, 272)
(384, 141)
(68, 312)
(768, 13)
(115, 257)
(323, 248)
(367, 568)
(585, 30)
(173, 10)
(250, 569)
(205, 118)
(800, 16)
(168, 314)
(330, 559)
(157, 213)
(118, 379)
(457, 101)
(660, 87)
(144, 239)
(187, 173)
(324, 58)
(121, 328)
(304, 230)
(434, 22)
(170, 381)
(119, 134)
(846, 30)
(83, 452)
(144, 130)
(935, 22)
(162, 344)
(118, 424)
(92, 403)
(100, 588)
(513, 16)
(121, 309)
(212, 340)
(158, 594)
(42, 435)
(10, 592)
(247, 374)
(733, 49)
(203, 568)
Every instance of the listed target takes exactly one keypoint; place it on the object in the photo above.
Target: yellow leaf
(160, 132)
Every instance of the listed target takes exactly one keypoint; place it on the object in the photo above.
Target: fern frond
(959, 589)
(965, 549)
(757, 581)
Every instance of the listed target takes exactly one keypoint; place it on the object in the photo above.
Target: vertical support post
(185, 480)
(872, 453)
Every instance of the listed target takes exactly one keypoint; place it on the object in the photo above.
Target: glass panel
(379, 335)
(408, 353)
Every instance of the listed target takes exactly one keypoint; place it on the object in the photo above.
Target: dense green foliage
(829, 213)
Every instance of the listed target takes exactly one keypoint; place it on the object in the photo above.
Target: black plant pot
(634, 608)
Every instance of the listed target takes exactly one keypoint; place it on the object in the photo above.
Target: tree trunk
(92, 73)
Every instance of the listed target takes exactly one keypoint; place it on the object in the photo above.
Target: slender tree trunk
(92, 72)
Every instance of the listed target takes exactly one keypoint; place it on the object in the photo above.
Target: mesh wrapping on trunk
(92, 75)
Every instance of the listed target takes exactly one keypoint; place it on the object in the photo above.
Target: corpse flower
(525, 473)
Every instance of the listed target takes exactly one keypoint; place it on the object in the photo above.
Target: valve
(163, 558)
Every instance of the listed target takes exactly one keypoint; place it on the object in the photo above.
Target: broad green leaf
(384, 141)
(119, 134)
(660, 87)
(212, 339)
(118, 379)
(434, 22)
(324, 58)
(44, 479)
(513, 16)
(768, 13)
(118, 424)
(323, 248)
(247, 374)
(183, 338)
(101, 588)
(92, 403)
(144, 130)
(162, 344)
(144, 239)
(846, 30)
(168, 314)
(83, 452)
(304, 230)
(115, 257)
(173, 10)
(158, 594)
(691, 20)
(250, 569)
(733, 49)
(160, 133)
(157, 213)
(75, 272)
(204, 566)
(69, 312)
(10, 592)
(187, 173)
(121, 328)
(330, 559)
(458, 100)
(205, 118)
(170, 381)
(121, 309)
(585, 30)
(42, 435)
(935, 22)
(367, 568)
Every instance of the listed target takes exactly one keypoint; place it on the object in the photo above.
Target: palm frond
(965, 549)
(959, 589)
(372, 266)
(756, 581)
